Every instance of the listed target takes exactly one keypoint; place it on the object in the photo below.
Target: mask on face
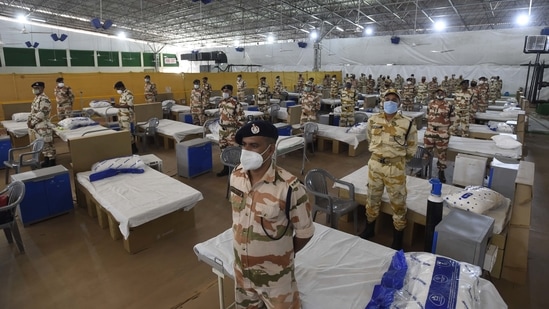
(409, 82)
(196, 86)
(481, 82)
(251, 160)
(147, 80)
(238, 78)
(225, 95)
(119, 91)
(333, 79)
(307, 89)
(35, 91)
(440, 97)
(60, 85)
(390, 107)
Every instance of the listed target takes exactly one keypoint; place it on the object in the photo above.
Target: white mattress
(418, 191)
(66, 134)
(476, 147)
(285, 143)
(215, 111)
(482, 128)
(340, 134)
(282, 113)
(253, 114)
(331, 101)
(17, 128)
(496, 107)
(177, 129)
(103, 111)
(334, 270)
(135, 199)
(176, 108)
(498, 116)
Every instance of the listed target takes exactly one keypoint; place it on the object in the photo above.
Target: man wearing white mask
(197, 104)
(393, 142)
(150, 90)
(231, 118)
(271, 222)
(64, 97)
(241, 88)
(39, 122)
(125, 111)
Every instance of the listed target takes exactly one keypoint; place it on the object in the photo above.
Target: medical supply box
(502, 176)
(194, 157)
(463, 236)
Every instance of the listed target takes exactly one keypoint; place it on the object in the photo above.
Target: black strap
(408, 132)
(286, 211)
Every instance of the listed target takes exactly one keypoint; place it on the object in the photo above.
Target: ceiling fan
(25, 31)
(442, 51)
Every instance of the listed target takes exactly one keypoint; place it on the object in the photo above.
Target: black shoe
(369, 231)
(223, 172)
(441, 176)
(52, 162)
(397, 240)
(134, 149)
(46, 162)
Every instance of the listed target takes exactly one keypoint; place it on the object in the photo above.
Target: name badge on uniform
(237, 192)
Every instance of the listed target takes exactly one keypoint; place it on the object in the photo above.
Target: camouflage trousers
(333, 93)
(64, 110)
(46, 133)
(347, 119)
(439, 142)
(390, 176)
(482, 107)
(241, 96)
(126, 124)
(263, 107)
(198, 116)
(407, 106)
(226, 137)
(307, 116)
(460, 127)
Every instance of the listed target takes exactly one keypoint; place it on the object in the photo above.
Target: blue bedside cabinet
(194, 157)
(5, 146)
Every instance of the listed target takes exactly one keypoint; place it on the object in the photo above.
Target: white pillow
(166, 102)
(358, 128)
(506, 142)
(337, 110)
(214, 128)
(20, 117)
(118, 163)
(76, 122)
(475, 199)
(98, 104)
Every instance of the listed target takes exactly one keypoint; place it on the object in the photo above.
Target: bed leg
(220, 277)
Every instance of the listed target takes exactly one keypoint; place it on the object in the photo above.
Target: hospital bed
(518, 118)
(290, 115)
(334, 270)
(177, 131)
(482, 131)
(180, 109)
(338, 136)
(18, 135)
(138, 208)
(214, 112)
(68, 134)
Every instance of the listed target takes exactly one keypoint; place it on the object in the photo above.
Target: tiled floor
(70, 262)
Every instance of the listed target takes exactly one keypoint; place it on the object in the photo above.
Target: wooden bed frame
(86, 151)
(11, 108)
(143, 112)
(339, 146)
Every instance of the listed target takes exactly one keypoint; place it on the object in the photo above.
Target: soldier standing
(445, 85)
(231, 118)
(150, 90)
(197, 103)
(240, 88)
(452, 86)
(300, 83)
(39, 123)
(370, 85)
(310, 104)
(482, 95)
(207, 88)
(278, 89)
(462, 106)
(379, 82)
(399, 82)
(326, 81)
(125, 111)
(440, 114)
(263, 97)
(422, 91)
(260, 193)
(413, 79)
(393, 142)
(499, 84)
(348, 101)
(334, 87)
(361, 82)
(64, 98)
(432, 87)
(408, 95)
(475, 94)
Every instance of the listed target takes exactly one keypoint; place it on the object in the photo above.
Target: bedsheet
(334, 270)
(340, 134)
(419, 190)
(135, 199)
(17, 128)
(176, 129)
(176, 108)
(499, 116)
(103, 111)
(66, 134)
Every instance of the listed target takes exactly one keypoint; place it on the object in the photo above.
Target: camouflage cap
(256, 128)
(393, 91)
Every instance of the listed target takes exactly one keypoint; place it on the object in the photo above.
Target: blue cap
(436, 186)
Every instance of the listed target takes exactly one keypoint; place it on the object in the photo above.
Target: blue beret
(228, 87)
(256, 128)
(38, 84)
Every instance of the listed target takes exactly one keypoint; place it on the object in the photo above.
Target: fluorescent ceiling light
(314, 35)
(369, 31)
(121, 35)
(38, 20)
(303, 30)
(270, 38)
(236, 42)
(440, 25)
(523, 19)
(339, 28)
(22, 18)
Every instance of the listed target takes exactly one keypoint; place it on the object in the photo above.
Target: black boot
(134, 149)
(397, 239)
(52, 162)
(369, 231)
(441, 176)
(223, 172)
(46, 162)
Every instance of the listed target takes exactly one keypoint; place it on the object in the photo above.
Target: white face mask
(147, 80)
(481, 82)
(196, 86)
(409, 82)
(35, 91)
(226, 95)
(61, 85)
(251, 160)
(119, 91)
(440, 97)
(390, 107)
(238, 78)
(307, 89)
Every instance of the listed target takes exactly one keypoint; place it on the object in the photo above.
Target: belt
(435, 128)
(386, 160)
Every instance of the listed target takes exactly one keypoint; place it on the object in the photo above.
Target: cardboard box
(515, 259)
(524, 186)
(490, 258)
(496, 269)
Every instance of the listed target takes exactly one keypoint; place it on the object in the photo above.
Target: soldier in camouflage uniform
(399, 82)
(150, 90)
(354, 82)
(432, 87)
(413, 79)
(445, 85)
(125, 111)
(207, 88)
(440, 114)
(492, 93)
(408, 95)
(348, 101)
(278, 89)
(499, 84)
(197, 104)
(475, 94)
(361, 82)
(452, 86)
(64, 97)
(39, 123)
(231, 118)
(265, 239)
(392, 142)
(334, 87)
(263, 98)
(422, 91)
(326, 81)
(370, 85)
(385, 84)
(379, 82)
(462, 107)
(310, 104)
(300, 83)
(483, 89)
(240, 88)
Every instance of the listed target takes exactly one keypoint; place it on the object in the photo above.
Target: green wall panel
(170, 60)
(148, 59)
(52, 57)
(107, 59)
(131, 59)
(19, 57)
(82, 58)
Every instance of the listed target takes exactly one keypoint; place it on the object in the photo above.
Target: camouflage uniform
(445, 85)
(462, 106)
(64, 98)
(482, 96)
(439, 115)
(310, 105)
(475, 94)
(300, 83)
(492, 94)
(240, 90)
(264, 268)
(370, 85)
(197, 106)
(386, 167)
(452, 85)
(499, 84)
(348, 101)
(231, 118)
(379, 82)
(361, 82)
(432, 86)
(39, 124)
(150, 92)
(408, 95)
(263, 100)
(278, 89)
(207, 88)
(422, 93)
(334, 88)
(125, 112)
(399, 82)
